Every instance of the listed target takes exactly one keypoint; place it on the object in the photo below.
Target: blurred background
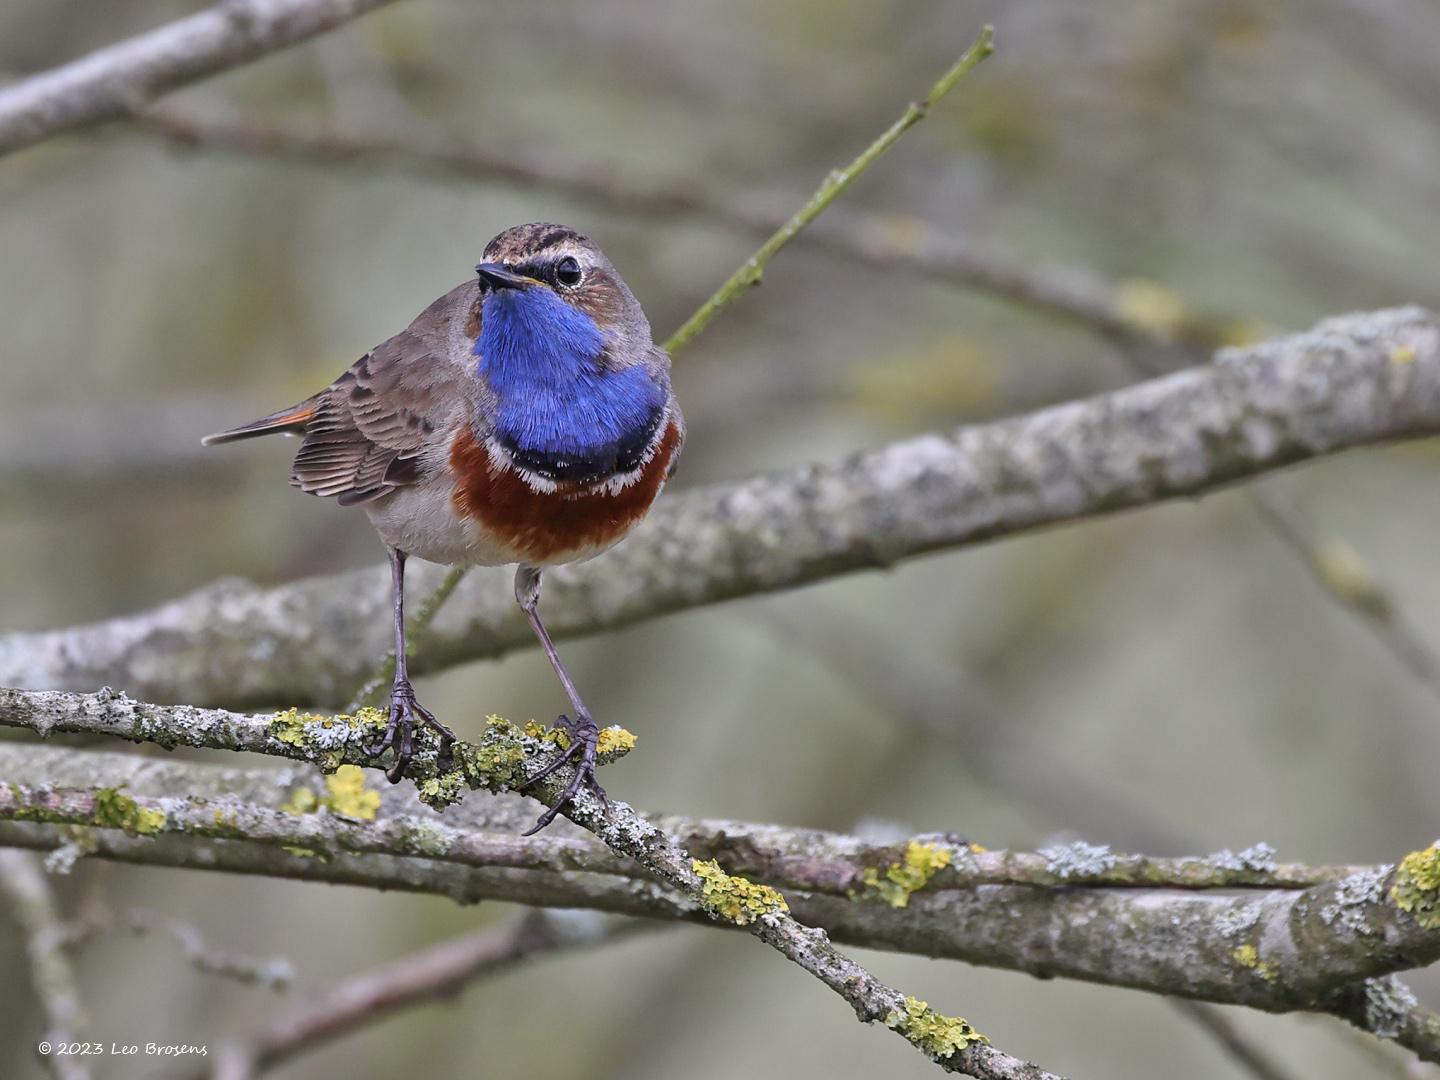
(1171, 680)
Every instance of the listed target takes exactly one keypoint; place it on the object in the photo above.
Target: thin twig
(829, 190)
(1241, 1049)
(272, 972)
(438, 973)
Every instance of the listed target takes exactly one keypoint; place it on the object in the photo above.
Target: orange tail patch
(288, 420)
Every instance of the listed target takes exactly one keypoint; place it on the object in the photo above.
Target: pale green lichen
(116, 811)
(938, 1035)
(1417, 886)
(1248, 957)
(735, 899)
(898, 880)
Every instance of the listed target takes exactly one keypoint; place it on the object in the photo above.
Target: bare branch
(121, 79)
(1241, 1050)
(1351, 381)
(437, 973)
(271, 972)
(23, 882)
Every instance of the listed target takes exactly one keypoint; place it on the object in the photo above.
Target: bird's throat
(564, 408)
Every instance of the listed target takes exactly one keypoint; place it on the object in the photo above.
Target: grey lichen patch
(1234, 921)
(937, 1035)
(1258, 857)
(1078, 859)
(1388, 1003)
(1354, 897)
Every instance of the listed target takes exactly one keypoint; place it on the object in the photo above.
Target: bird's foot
(405, 714)
(584, 739)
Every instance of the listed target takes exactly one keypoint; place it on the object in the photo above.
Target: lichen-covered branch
(502, 760)
(122, 79)
(1350, 382)
(1291, 947)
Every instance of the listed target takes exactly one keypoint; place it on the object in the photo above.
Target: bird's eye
(567, 272)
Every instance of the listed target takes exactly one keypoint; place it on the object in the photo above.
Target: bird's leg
(404, 709)
(584, 734)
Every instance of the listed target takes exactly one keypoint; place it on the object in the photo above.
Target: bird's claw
(584, 741)
(405, 714)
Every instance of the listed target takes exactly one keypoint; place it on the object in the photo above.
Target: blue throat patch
(564, 413)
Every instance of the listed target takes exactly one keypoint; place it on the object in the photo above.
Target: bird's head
(548, 290)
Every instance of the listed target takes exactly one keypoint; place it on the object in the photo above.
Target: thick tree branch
(1352, 381)
(121, 79)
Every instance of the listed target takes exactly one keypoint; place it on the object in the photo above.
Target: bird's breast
(547, 522)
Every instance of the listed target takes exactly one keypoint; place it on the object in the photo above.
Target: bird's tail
(287, 421)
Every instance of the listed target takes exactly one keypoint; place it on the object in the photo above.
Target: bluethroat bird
(524, 417)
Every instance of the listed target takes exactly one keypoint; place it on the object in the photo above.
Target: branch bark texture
(1351, 381)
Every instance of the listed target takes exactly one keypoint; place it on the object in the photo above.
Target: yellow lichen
(289, 727)
(615, 739)
(348, 796)
(345, 795)
(1248, 956)
(936, 1034)
(734, 898)
(1347, 575)
(302, 801)
(1417, 886)
(1403, 354)
(903, 878)
(1151, 307)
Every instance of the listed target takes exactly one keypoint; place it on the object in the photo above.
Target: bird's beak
(497, 277)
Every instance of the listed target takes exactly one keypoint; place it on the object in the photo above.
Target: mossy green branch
(830, 189)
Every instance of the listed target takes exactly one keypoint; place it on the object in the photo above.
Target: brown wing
(370, 427)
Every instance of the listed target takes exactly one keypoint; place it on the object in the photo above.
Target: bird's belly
(565, 523)
(421, 521)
